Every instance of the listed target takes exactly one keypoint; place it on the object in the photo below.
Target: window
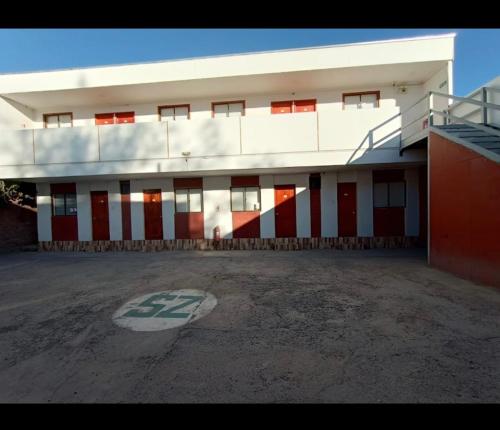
(189, 200)
(245, 199)
(293, 106)
(64, 204)
(114, 118)
(389, 194)
(364, 100)
(226, 109)
(173, 113)
(58, 120)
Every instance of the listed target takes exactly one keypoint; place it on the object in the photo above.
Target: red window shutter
(104, 118)
(125, 117)
(281, 107)
(305, 105)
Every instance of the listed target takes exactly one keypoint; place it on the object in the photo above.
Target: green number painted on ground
(156, 309)
(169, 313)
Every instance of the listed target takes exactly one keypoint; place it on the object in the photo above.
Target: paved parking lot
(304, 326)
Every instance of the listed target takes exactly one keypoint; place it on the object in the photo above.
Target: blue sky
(477, 58)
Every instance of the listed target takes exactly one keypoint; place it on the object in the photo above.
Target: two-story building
(301, 143)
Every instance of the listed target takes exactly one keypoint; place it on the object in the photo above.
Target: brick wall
(18, 226)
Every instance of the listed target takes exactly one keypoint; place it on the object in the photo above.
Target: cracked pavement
(299, 326)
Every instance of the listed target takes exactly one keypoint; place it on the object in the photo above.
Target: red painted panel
(305, 105)
(64, 227)
(315, 212)
(104, 118)
(245, 181)
(188, 182)
(281, 107)
(100, 215)
(388, 221)
(153, 227)
(422, 205)
(246, 224)
(393, 175)
(125, 117)
(62, 188)
(285, 211)
(464, 207)
(126, 210)
(189, 225)
(347, 207)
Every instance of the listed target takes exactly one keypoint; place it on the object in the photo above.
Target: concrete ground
(303, 326)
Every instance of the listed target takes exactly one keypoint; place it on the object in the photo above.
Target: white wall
(217, 206)
(329, 208)
(14, 115)
(44, 212)
(267, 227)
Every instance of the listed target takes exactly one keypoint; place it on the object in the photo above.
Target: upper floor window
(389, 194)
(225, 109)
(290, 106)
(58, 120)
(64, 204)
(245, 199)
(363, 100)
(173, 112)
(114, 118)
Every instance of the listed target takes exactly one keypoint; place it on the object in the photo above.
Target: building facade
(287, 144)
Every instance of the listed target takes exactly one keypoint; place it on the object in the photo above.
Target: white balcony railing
(273, 134)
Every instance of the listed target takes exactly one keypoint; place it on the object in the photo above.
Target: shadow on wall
(18, 226)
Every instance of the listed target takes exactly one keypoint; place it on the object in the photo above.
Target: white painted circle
(164, 309)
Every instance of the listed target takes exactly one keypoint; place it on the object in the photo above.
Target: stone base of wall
(281, 244)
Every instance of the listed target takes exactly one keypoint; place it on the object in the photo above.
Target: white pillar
(168, 208)
(412, 209)
(115, 210)
(136, 209)
(267, 203)
(44, 212)
(364, 191)
(217, 206)
(329, 211)
(84, 214)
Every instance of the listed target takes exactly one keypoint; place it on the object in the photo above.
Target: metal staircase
(475, 127)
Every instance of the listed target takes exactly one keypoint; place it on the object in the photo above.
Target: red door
(100, 215)
(153, 228)
(284, 211)
(346, 198)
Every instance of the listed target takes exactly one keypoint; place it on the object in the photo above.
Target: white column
(267, 201)
(83, 211)
(329, 211)
(44, 212)
(115, 210)
(364, 191)
(412, 209)
(136, 209)
(168, 208)
(217, 206)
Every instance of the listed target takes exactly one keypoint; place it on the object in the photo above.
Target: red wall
(64, 227)
(464, 212)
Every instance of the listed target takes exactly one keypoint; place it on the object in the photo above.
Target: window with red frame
(293, 106)
(114, 118)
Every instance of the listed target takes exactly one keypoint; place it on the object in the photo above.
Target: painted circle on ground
(164, 309)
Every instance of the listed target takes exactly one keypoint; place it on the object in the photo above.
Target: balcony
(325, 138)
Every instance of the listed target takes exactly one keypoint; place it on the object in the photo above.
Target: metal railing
(448, 118)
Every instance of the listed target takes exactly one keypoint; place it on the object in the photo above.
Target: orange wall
(464, 212)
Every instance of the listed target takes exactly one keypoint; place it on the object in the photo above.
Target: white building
(296, 143)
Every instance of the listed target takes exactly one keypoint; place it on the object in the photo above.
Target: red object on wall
(315, 204)
(100, 215)
(64, 227)
(389, 221)
(189, 225)
(126, 210)
(245, 181)
(188, 183)
(153, 226)
(347, 207)
(285, 211)
(464, 211)
(124, 117)
(104, 118)
(282, 107)
(246, 224)
(305, 106)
